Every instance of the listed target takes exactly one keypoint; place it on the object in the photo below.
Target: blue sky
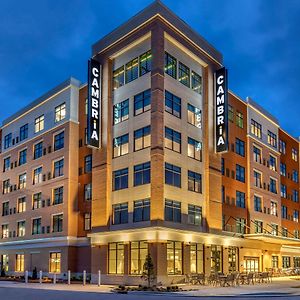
(42, 43)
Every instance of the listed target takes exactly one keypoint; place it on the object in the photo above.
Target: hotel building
(156, 184)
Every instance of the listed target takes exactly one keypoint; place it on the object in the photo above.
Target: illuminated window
(275, 261)
(272, 139)
(196, 258)
(286, 261)
(272, 163)
(230, 113)
(284, 232)
(194, 116)
(142, 102)
(282, 147)
(57, 223)
(6, 186)
(173, 104)
(196, 82)
(296, 216)
(174, 258)
(142, 138)
(194, 182)
(60, 112)
(257, 179)
(233, 259)
(273, 208)
(118, 78)
(88, 191)
(194, 149)
(20, 263)
(116, 258)
(120, 179)
(55, 262)
(274, 229)
(87, 221)
(282, 169)
(184, 74)
(5, 231)
(239, 119)
(4, 262)
(21, 228)
(121, 111)
(37, 175)
(294, 154)
(172, 139)
(37, 200)
(145, 63)
(21, 204)
(170, 65)
(138, 253)
(121, 145)
(256, 128)
(38, 150)
(131, 70)
(216, 259)
(194, 214)
(39, 124)
(22, 181)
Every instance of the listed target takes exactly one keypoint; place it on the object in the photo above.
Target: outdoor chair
(250, 278)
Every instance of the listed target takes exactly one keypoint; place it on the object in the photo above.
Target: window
(257, 179)
(274, 229)
(296, 216)
(296, 234)
(21, 204)
(282, 147)
(273, 185)
(239, 147)
(121, 145)
(120, 213)
(87, 221)
(6, 186)
(286, 262)
(57, 223)
(295, 176)
(39, 124)
(38, 150)
(256, 154)
(5, 208)
(172, 211)
(20, 263)
(5, 231)
(240, 225)
(88, 163)
(6, 164)
(196, 82)
(142, 102)
(23, 132)
(55, 262)
(7, 141)
(59, 141)
(142, 138)
(4, 262)
(282, 169)
(145, 62)
(294, 154)
(172, 175)
(37, 200)
(58, 168)
(258, 226)
(194, 214)
(121, 111)
(223, 166)
(230, 113)
(23, 157)
(37, 175)
(272, 163)
(21, 228)
(184, 74)
(58, 195)
(194, 116)
(22, 181)
(142, 174)
(257, 203)
(284, 212)
(256, 128)
(215, 259)
(86, 106)
(172, 104)
(172, 139)
(116, 258)
(240, 199)
(272, 139)
(273, 208)
(194, 149)
(118, 78)
(120, 179)
(295, 196)
(194, 182)
(60, 112)
(141, 210)
(240, 173)
(132, 70)
(170, 65)
(174, 258)
(239, 119)
(37, 226)
(138, 254)
(88, 192)
(275, 262)
(233, 259)
(196, 258)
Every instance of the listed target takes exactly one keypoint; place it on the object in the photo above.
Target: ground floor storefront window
(251, 264)
(274, 261)
(20, 263)
(4, 262)
(138, 253)
(174, 258)
(216, 259)
(286, 261)
(296, 261)
(233, 253)
(196, 255)
(116, 258)
(55, 262)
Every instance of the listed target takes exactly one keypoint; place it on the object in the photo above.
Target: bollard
(41, 277)
(99, 278)
(54, 278)
(84, 277)
(26, 276)
(69, 277)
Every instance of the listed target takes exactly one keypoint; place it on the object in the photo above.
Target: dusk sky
(42, 43)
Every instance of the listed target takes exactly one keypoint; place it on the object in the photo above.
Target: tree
(148, 270)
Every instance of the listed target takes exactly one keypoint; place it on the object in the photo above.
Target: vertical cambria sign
(221, 111)
(94, 104)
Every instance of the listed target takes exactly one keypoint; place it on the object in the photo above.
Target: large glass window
(174, 258)
(240, 199)
(172, 211)
(282, 147)
(20, 263)
(172, 139)
(286, 262)
(170, 65)
(184, 74)
(256, 128)
(37, 226)
(58, 195)
(258, 226)
(145, 62)
(294, 154)
(132, 70)
(55, 262)
(118, 78)
(121, 111)
(58, 168)
(230, 113)
(120, 213)
(240, 225)
(38, 150)
(273, 208)
(194, 116)
(59, 141)
(121, 145)
(39, 124)
(196, 82)
(142, 174)
(173, 104)
(23, 132)
(21, 204)
(120, 179)
(23, 157)
(194, 214)
(194, 149)
(240, 173)
(37, 200)
(256, 154)
(194, 182)
(22, 181)
(272, 163)
(142, 102)
(141, 210)
(21, 228)
(60, 112)
(239, 147)
(5, 231)
(138, 253)
(57, 223)
(172, 175)
(272, 139)
(116, 258)
(142, 138)
(196, 258)
(233, 259)
(37, 175)
(216, 259)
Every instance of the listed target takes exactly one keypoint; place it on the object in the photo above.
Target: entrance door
(251, 264)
